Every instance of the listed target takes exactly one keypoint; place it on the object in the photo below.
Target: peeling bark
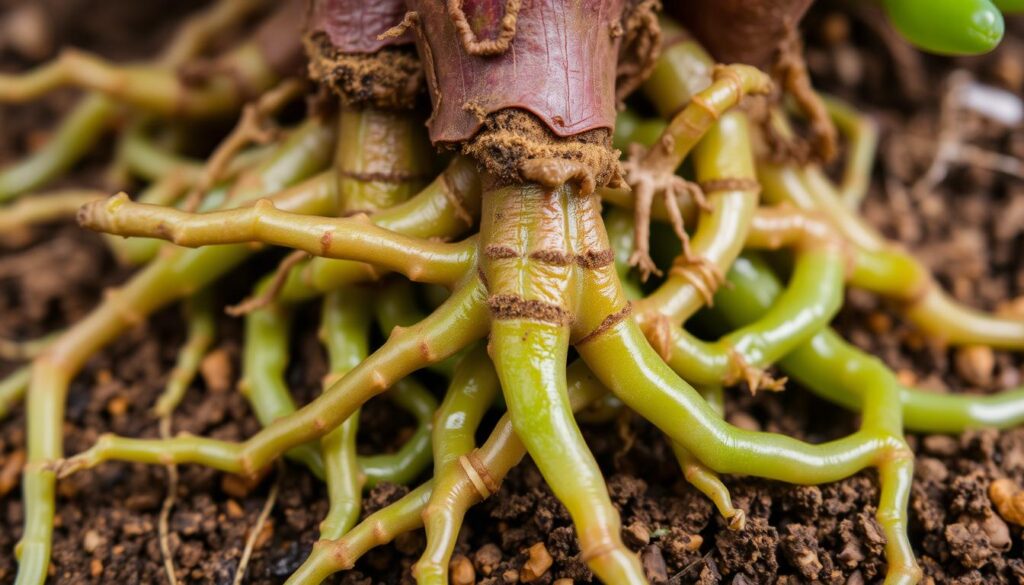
(353, 26)
(349, 53)
(559, 66)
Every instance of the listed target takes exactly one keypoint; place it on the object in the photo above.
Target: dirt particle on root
(514, 307)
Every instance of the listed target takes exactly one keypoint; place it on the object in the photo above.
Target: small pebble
(10, 470)
(234, 510)
(27, 30)
(942, 445)
(636, 535)
(92, 541)
(117, 406)
(975, 363)
(461, 571)
(1009, 70)
(997, 531)
(104, 377)
(266, 532)
(216, 370)
(694, 543)
(879, 322)
(906, 377)
(95, 567)
(136, 528)
(654, 565)
(1008, 500)
(836, 28)
(537, 565)
(1012, 308)
(487, 559)
(237, 486)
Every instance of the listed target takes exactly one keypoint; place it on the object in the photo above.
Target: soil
(969, 229)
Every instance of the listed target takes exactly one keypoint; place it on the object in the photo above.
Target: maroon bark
(560, 65)
(279, 38)
(352, 26)
(740, 31)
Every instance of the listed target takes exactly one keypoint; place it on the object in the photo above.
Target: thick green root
(176, 275)
(541, 277)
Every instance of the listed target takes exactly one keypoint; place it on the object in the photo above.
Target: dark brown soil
(969, 229)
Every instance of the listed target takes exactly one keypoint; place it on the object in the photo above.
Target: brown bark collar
(740, 31)
(510, 140)
(279, 38)
(353, 26)
(348, 53)
(559, 64)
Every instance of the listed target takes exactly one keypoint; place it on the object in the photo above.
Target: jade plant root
(183, 82)
(506, 216)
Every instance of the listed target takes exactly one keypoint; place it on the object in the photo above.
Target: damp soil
(969, 229)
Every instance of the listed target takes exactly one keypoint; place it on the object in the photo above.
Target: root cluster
(532, 234)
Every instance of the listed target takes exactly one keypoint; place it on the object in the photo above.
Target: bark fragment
(349, 53)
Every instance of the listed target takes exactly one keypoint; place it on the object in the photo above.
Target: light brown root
(738, 521)
(270, 293)
(163, 523)
(254, 127)
(791, 70)
(756, 378)
(643, 199)
(254, 533)
(648, 183)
